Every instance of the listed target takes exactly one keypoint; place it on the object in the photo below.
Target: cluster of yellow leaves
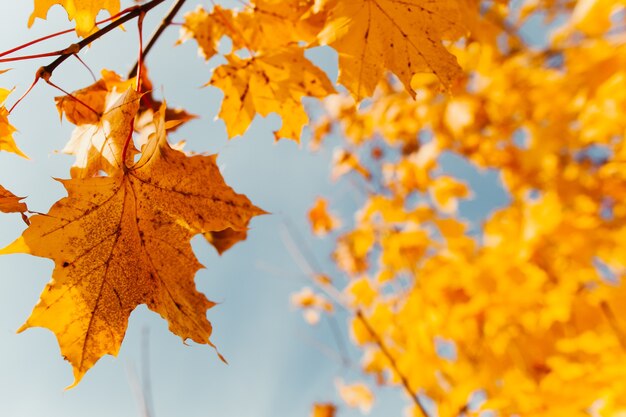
(526, 307)
(267, 71)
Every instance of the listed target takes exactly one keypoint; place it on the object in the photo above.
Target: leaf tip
(17, 246)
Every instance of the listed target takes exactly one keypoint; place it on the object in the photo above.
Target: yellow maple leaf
(124, 240)
(265, 26)
(275, 82)
(7, 143)
(272, 24)
(361, 292)
(206, 28)
(446, 191)
(106, 113)
(353, 249)
(372, 36)
(84, 12)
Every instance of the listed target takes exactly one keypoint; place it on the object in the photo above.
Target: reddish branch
(136, 11)
(167, 20)
(46, 72)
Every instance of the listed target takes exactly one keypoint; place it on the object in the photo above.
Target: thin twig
(157, 33)
(46, 72)
(63, 32)
(392, 362)
(73, 97)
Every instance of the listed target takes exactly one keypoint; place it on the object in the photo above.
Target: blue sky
(277, 362)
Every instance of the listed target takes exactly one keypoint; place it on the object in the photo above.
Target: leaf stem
(129, 139)
(157, 33)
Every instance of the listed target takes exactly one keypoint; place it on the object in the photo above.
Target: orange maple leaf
(10, 203)
(322, 222)
(124, 240)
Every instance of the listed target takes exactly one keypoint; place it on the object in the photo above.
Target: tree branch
(46, 72)
(157, 33)
(392, 362)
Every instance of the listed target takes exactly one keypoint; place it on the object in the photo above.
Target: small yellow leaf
(312, 304)
(7, 143)
(84, 12)
(321, 221)
(446, 191)
(356, 395)
(275, 82)
(362, 292)
(345, 162)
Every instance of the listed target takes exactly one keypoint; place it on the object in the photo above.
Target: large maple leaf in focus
(404, 37)
(124, 240)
